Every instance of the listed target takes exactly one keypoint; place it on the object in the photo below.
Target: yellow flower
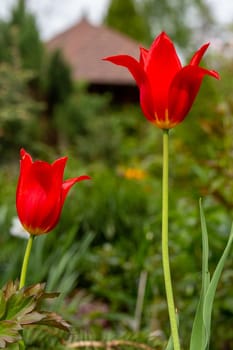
(134, 173)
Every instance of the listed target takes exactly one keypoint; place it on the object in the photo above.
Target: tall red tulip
(41, 193)
(167, 90)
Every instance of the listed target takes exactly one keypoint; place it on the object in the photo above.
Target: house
(83, 47)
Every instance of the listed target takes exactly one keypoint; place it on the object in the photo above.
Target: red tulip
(167, 90)
(41, 193)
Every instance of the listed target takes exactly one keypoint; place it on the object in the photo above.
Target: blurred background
(58, 98)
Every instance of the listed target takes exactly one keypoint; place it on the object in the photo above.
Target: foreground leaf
(169, 344)
(200, 336)
(9, 333)
(52, 319)
(2, 304)
(198, 331)
(22, 307)
(210, 294)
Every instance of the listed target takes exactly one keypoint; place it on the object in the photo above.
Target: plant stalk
(25, 262)
(165, 248)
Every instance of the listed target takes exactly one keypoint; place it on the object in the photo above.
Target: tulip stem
(165, 248)
(25, 262)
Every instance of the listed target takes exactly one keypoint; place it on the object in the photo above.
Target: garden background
(107, 243)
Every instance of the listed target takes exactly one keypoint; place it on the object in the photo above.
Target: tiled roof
(84, 46)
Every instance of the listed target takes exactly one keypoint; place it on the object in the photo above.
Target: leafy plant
(21, 308)
(200, 337)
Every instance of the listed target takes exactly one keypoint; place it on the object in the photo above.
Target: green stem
(165, 250)
(25, 262)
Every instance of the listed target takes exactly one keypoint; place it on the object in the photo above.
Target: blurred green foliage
(144, 19)
(24, 23)
(18, 111)
(33, 84)
(126, 17)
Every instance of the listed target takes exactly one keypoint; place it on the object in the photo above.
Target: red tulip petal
(183, 91)
(25, 164)
(21, 192)
(40, 201)
(26, 159)
(161, 65)
(131, 63)
(66, 186)
(58, 167)
(41, 193)
(143, 56)
(146, 101)
(195, 60)
(136, 69)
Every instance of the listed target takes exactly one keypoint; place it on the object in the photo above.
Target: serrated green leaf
(34, 290)
(2, 304)
(38, 292)
(48, 295)
(10, 289)
(210, 294)
(198, 331)
(19, 305)
(31, 318)
(9, 333)
(14, 346)
(54, 320)
(21, 308)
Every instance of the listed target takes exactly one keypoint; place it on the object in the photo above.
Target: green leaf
(198, 331)
(210, 294)
(54, 320)
(200, 335)
(22, 307)
(31, 318)
(15, 346)
(169, 344)
(19, 305)
(2, 304)
(9, 333)
(10, 288)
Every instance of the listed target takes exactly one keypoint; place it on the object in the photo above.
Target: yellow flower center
(166, 123)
